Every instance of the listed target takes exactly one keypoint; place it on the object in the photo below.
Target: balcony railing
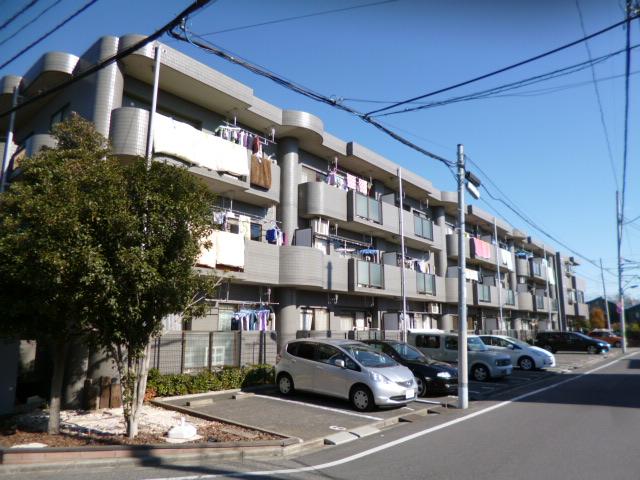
(554, 304)
(484, 293)
(370, 274)
(536, 269)
(368, 208)
(511, 298)
(539, 302)
(426, 283)
(423, 227)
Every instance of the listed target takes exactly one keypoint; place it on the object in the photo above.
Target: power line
(297, 17)
(49, 33)
(29, 23)
(501, 70)
(493, 91)
(599, 100)
(195, 6)
(185, 36)
(625, 154)
(18, 13)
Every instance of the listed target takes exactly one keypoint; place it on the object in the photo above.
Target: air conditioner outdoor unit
(433, 308)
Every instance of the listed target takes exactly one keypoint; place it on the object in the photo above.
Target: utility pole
(463, 371)
(604, 292)
(402, 272)
(154, 103)
(619, 220)
(498, 256)
(8, 141)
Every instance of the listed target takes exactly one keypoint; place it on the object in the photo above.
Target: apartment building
(309, 234)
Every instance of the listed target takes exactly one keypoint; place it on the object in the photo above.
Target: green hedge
(224, 379)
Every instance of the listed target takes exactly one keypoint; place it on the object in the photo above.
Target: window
(306, 350)
(579, 296)
(426, 283)
(423, 227)
(484, 293)
(368, 208)
(256, 232)
(536, 268)
(370, 274)
(511, 298)
(539, 301)
(428, 341)
(451, 343)
(306, 319)
(59, 116)
(329, 354)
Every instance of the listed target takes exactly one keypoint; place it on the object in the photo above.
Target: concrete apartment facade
(339, 265)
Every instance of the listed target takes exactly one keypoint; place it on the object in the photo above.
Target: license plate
(410, 393)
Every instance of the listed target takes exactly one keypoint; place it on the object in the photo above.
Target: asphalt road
(574, 426)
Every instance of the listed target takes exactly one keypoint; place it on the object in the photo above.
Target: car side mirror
(339, 363)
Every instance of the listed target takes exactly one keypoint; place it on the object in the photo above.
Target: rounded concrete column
(289, 179)
(441, 257)
(288, 317)
(512, 274)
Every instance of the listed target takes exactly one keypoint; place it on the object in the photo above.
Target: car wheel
(549, 348)
(617, 344)
(526, 363)
(285, 384)
(592, 349)
(480, 373)
(422, 385)
(361, 398)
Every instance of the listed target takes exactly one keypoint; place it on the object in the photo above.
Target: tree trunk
(140, 373)
(59, 352)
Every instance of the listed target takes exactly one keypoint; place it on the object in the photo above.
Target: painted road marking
(320, 407)
(399, 441)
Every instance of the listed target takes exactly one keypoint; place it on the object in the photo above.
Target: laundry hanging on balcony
(260, 171)
(505, 258)
(185, 142)
(226, 250)
(481, 248)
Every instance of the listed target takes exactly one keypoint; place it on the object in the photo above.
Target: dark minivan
(432, 377)
(571, 341)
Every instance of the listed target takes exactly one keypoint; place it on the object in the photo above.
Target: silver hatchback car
(345, 369)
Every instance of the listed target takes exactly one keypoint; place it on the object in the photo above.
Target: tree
(45, 248)
(597, 319)
(91, 245)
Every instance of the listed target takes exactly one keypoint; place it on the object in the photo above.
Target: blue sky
(546, 150)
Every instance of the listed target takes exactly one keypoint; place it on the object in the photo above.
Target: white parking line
(399, 441)
(320, 407)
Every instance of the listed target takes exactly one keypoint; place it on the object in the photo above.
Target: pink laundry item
(363, 186)
(351, 182)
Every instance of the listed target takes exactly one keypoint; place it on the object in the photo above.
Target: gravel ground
(107, 427)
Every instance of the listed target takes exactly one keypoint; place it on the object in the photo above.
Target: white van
(483, 363)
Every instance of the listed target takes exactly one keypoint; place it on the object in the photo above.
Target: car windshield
(582, 335)
(520, 343)
(407, 352)
(475, 344)
(367, 356)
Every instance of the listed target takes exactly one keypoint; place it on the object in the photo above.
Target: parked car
(571, 341)
(432, 377)
(525, 356)
(345, 369)
(483, 363)
(606, 336)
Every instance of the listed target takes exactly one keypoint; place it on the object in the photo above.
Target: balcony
(540, 303)
(509, 298)
(483, 293)
(582, 310)
(525, 301)
(128, 136)
(426, 283)
(474, 257)
(362, 214)
(522, 267)
(538, 271)
(451, 294)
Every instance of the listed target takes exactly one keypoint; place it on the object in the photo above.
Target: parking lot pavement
(565, 362)
(306, 416)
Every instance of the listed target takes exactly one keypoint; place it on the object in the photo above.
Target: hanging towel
(244, 226)
(363, 186)
(207, 257)
(481, 248)
(272, 235)
(505, 257)
(551, 275)
(260, 172)
(229, 249)
(471, 274)
(351, 182)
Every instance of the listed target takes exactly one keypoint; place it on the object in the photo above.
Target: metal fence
(190, 352)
